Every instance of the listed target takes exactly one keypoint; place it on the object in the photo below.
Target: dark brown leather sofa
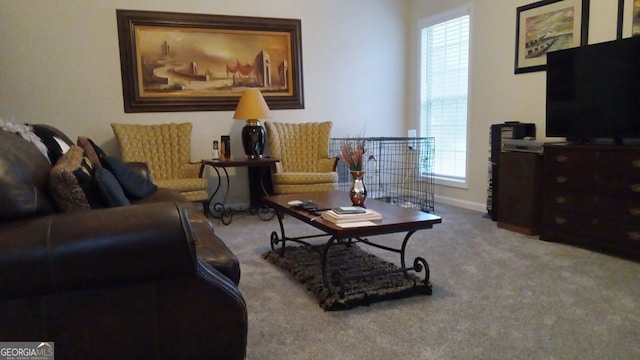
(146, 281)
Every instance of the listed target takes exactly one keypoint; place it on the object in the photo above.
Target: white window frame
(426, 22)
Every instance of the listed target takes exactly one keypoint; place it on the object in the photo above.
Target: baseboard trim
(481, 207)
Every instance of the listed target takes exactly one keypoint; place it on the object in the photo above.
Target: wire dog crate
(398, 170)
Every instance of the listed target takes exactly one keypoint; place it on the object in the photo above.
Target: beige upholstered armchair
(166, 148)
(303, 151)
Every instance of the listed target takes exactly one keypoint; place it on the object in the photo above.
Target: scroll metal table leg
(275, 240)
(264, 212)
(219, 210)
(325, 252)
(215, 205)
(419, 265)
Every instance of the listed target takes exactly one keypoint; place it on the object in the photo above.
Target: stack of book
(349, 214)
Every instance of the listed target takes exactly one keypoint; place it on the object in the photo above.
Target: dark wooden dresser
(591, 197)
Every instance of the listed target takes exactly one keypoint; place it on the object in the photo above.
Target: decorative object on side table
(225, 147)
(352, 153)
(252, 107)
(216, 150)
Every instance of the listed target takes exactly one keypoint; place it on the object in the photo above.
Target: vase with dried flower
(352, 153)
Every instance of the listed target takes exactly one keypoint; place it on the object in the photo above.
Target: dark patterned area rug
(303, 262)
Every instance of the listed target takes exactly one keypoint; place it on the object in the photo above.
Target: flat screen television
(593, 92)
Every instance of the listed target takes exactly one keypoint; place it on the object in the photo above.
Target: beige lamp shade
(251, 106)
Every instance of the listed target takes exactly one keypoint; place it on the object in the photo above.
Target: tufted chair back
(300, 147)
(303, 151)
(166, 149)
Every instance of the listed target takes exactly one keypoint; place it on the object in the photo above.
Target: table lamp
(252, 107)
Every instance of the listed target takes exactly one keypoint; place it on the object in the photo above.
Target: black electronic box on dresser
(592, 197)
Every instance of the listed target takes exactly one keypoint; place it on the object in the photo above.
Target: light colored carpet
(496, 295)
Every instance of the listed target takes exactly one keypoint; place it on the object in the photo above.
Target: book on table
(339, 218)
(349, 210)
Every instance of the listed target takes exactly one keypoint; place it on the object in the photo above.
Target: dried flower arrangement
(352, 153)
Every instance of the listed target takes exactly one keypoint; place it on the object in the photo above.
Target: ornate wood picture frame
(198, 62)
(628, 18)
(548, 25)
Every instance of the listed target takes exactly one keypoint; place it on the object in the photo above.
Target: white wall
(496, 93)
(60, 66)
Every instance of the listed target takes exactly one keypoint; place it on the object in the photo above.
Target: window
(444, 77)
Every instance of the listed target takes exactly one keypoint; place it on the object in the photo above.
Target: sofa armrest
(92, 249)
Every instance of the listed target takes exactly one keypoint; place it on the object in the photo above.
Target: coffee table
(395, 219)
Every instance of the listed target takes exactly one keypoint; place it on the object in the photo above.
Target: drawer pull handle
(635, 212)
(634, 235)
(560, 220)
(635, 188)
(561, 200)
(636, 163)
(562, 180)
(562, 158)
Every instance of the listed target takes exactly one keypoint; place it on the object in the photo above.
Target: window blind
(444, 92)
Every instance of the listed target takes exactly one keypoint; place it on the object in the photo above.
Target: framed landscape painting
(547, 26)
(199, 62)
(628, 18)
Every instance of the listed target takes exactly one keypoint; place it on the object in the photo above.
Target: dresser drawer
(597, 183)
(629, 250)
(626, 210)
(568, 201)
(617, 184)
(617, 208)
(591, 197)
(562, 181)
(568, 159)
(603, 229)
(607, 170)
(567, 222)
(627, 161)
(617, 232)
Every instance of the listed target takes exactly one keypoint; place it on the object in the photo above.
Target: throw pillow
(134, 185)
(110, 188)
(71, 182)
(55, 141)
(97, 149)
(92, 151)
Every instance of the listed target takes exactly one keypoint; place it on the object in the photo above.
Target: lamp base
(253, 139)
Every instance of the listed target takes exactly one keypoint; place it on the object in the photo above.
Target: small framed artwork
(216, 150)
(628, 18)
(200, 62)
(546, 26)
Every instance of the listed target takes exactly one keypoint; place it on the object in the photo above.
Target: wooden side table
(220, 211)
